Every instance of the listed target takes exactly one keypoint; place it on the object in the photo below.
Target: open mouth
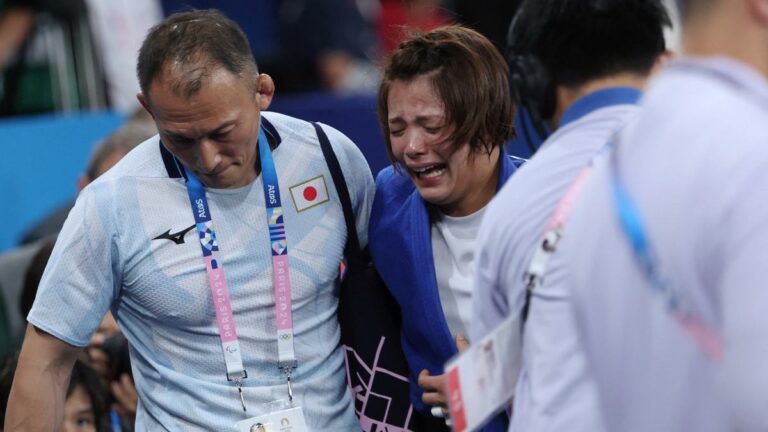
(429, 171)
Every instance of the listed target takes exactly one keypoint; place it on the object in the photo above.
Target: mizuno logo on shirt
(177, 237)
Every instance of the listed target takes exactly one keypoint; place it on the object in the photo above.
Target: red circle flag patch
(310, 193)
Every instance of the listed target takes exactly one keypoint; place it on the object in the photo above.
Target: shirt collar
(600, 99)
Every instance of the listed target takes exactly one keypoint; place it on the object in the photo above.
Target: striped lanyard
(218, 283)
(633, 227)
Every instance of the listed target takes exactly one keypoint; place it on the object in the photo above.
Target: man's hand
(434, 386)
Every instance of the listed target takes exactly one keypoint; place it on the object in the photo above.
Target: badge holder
(481, 381)
(282, 416)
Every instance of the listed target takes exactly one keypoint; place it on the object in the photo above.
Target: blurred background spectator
(138, 128)
(398, 17)
(119, 27)
(71, 55)
(29, 260)
(85, 409)
(48, 58)
(336, 45)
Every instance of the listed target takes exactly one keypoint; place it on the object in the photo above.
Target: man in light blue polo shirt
(596, 56)
(667, 248)
(207, 351)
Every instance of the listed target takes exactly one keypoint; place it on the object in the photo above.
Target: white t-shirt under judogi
(695, 164)
(554, 391)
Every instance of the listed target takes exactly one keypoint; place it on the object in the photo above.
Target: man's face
(215, 131)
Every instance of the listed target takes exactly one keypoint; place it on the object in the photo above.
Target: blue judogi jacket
(399, 239)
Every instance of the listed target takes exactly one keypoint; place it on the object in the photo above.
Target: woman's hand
(434, 385)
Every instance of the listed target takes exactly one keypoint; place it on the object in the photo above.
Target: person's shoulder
(393, 184)
(284, 125)
(393, 198)
(301, 132)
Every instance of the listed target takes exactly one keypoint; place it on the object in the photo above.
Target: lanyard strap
(279, 246)
(634, 230)
(553, 231)
(218, 283)
(217, 280)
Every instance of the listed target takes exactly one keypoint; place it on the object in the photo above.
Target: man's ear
(759, 9)
(144, 103)
(82, 182)
(265, 90)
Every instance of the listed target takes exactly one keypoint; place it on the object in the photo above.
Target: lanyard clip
(239, 384)
(238, 380)
(288, 371)
(290, 389)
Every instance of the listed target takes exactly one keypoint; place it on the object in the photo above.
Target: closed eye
(182, 142)
(220, 136)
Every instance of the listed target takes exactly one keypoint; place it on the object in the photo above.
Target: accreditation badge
(282, 418)
(481, 380)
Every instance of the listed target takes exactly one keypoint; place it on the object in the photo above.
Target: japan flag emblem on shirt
(310, 193)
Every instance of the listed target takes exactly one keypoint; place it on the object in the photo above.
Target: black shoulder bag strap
(352, 249)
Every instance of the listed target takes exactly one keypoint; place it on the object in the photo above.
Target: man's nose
(209, 157)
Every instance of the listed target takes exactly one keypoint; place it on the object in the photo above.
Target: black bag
(370, 322)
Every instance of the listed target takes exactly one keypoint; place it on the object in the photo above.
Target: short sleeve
(82, 275)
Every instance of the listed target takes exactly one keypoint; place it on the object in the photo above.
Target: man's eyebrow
(222, 127)
(172, 134)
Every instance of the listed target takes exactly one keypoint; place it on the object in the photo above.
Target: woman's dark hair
(85, 376)
(470, 77)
